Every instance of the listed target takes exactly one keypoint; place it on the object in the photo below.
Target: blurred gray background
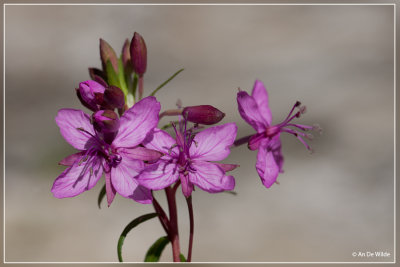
(338, 60)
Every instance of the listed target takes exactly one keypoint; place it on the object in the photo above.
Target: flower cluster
(122, 139)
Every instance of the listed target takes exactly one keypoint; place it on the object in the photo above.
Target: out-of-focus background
(338, 60)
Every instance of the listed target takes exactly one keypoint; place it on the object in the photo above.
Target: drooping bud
(113, 97)
(107, 53)
(106, 123)
(90, 93)
(138, 54)
(203, 114)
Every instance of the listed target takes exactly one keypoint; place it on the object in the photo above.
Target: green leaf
(112, 77)
(121, 77)
(183, 259)
(154, 252)
(128, 228)
(167, 81)
(101, 196)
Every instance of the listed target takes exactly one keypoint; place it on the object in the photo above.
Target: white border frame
(202, 4)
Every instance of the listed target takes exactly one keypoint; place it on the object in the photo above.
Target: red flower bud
(106, 124)
(113, 97)
(138, 54)
(204, 114)
(107, 53)
(90, 93)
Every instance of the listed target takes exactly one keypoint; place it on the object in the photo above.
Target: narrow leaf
(154, 252)
(101, 196)
(128, 228)
(167, 81)
(121, 77)
(183, 259)
(112, 77)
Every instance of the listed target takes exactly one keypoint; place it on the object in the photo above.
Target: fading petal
(69, 121)
(260, 95)
(141, 153)
(137, 122)
(123, 175)
(69, 160)
(249, 111)
(213, 143)
(210, 177)
(161, 141)
(81, 176)
(266, 166)
(159, 175)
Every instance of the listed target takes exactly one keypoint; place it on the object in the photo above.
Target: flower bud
(107, 53)
(90, 93)
(203, 114)
(126, 55)
(113, 97)
(106, 124)
(105, 121)
(138, 54)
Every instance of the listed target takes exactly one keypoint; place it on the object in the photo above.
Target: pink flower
(121, 159)
(255, 111)
(188, 158)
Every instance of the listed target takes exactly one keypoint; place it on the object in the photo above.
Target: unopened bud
(105, 121)
(107, 53)
(203, 114)
(126, 56)
(138, 54)
(90, 93)
(113, 97)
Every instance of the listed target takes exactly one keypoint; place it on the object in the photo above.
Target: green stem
(167, 81)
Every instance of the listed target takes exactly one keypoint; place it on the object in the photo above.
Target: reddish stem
(241, 141)
(173, 216)
(162, 216)
(190, 207)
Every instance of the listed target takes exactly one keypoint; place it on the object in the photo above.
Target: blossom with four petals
(189, 158)
(121, 159)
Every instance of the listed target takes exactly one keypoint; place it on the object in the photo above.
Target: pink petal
(110, 190)
(266, 166)
(141, 153)
(123, 178)
(249, 111)
(137, 122)
(69, 121)
(226, 167)
(79, 177)
(69, 160)
(159, 175)
(161, 141)
(210, 177)
(213, 143)
(187, 186)
(260, 95)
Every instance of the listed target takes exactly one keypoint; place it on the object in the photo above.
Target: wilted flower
(188, 158)
(255, 111)
(121, 159)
